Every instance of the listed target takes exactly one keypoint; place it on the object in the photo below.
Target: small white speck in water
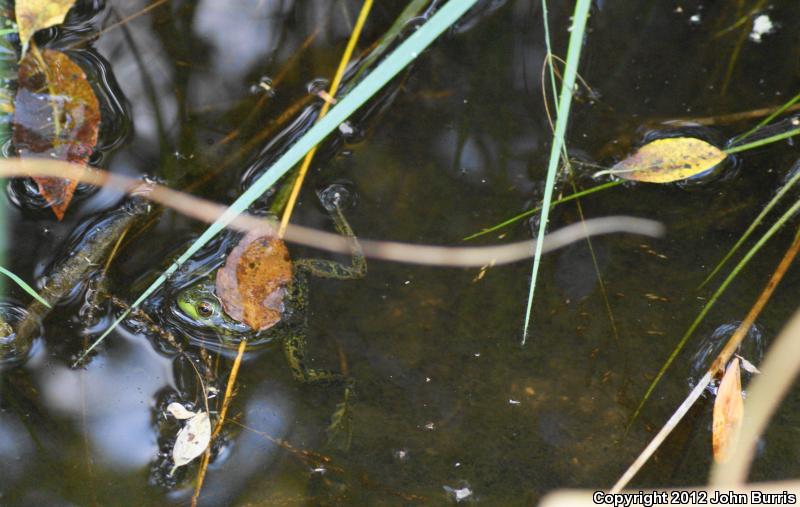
(346, 129)
(459, 494)
(695, 19)
(762, 25)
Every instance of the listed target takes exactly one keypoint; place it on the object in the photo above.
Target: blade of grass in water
(27, 288)
(771, 204)
(372, 83)
(762, 142)
(713, 299)
(768, 119)
(580, 16)
(553, 204)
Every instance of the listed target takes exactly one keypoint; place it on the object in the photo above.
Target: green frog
(198, 311)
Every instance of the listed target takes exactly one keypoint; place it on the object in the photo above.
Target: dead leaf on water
(35, 15)
(748, 366)
(253, 281)
(728, 413)
(667, 160)
(178, 411)
(192, 441)
(56, 116)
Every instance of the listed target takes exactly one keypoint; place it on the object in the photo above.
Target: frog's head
(197, 308)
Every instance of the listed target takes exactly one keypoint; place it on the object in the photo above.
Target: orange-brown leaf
(667, 160)
(57, 116)
(252, 283)
(35, 15)
(728, 413)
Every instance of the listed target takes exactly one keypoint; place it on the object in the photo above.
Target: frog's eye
(205, 309)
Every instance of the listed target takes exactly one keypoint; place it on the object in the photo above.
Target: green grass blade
(535, 210)
(713, 299)
(580, 17)
(762, 142)
(756, 222)
(768, 119)
(27, 288)
(404, 54)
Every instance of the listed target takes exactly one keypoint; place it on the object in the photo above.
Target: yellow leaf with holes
(667, 160)
(35, 15)
(728, 413)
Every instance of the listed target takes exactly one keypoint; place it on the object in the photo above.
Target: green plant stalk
(553, 204)
(27, 288)
(762, 142)
(771, 204)
(580, 17)
(399, 59)
(713, 299)
(768, 119)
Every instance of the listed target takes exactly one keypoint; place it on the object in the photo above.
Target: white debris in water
(514, 402)
(695, 19)
(459, 494)
(192, 441)
(178, 411)
(346, 129)
(762, 25)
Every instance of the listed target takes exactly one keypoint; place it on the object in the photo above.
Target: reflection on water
(112, 398)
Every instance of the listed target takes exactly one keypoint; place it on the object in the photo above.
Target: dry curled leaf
(192, 440)
(35, 15)
(667, 160)
(252, 283)
(748, 366)
(178, 411)
(57, 116)
(728, 413)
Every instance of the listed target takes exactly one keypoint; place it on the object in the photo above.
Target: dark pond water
(446, 399)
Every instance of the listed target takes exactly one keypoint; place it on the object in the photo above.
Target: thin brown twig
(430, 255)
(201, 474)
(119, 23)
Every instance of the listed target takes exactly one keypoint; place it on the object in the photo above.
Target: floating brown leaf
(57, 116)
(728, 413)
(35, 15)
(252, 283)
(668, 160)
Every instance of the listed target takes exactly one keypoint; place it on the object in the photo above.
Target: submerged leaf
(253, 281)
(57, 116)
(728, 413)
(667, 160)
(35, 15)
(192, 440)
